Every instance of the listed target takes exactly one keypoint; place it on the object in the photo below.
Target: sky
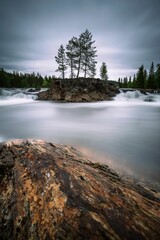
(126, 33)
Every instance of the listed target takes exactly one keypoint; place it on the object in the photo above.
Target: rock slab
(50, 191)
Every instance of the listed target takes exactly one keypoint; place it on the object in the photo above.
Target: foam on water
(136, 97)
(16, 96)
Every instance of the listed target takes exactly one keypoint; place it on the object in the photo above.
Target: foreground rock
(51, 191)
(79, 90)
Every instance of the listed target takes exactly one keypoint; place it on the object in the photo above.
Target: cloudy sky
(127, 33)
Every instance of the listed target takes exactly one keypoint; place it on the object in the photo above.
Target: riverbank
(52, 191)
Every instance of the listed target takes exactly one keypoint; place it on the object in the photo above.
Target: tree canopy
(79, 56)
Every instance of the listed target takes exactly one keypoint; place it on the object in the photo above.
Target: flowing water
(123, 133)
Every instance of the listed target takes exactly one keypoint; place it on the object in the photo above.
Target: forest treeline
(24, 80)
(143, 79)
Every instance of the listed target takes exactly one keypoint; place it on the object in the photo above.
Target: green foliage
(151, 82)
(103, 71)
(80, 56)
(142, 79)
(61, 61)
(20, 80)
(157, 76)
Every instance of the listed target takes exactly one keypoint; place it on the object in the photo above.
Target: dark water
(124, 133)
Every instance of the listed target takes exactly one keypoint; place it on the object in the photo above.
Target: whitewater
(123, 133)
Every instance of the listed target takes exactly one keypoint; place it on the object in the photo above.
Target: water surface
(124, 133)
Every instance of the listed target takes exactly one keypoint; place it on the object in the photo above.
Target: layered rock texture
(50, 191)
(79, 90)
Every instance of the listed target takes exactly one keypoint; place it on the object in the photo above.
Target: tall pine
(71, 55)
(61, 61)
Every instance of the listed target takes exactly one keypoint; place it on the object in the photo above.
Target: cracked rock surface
(50, 191)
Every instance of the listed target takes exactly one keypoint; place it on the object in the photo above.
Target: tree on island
(88, 53)
(71, 54)
(80, 56)
(103, 71)
(61, 60)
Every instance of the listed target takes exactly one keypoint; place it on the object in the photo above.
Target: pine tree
(145, 78)
(157, 76)
(88, 53)
(84, 54)
(71, 55)
(61, 60)
(130, 82)
(140, 77)
(103, 72)
(93, 70)
(134, 81)
(151, 77)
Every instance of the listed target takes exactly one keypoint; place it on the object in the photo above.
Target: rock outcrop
(50, 191)
(79, 90)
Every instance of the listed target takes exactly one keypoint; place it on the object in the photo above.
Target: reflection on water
(126, 136)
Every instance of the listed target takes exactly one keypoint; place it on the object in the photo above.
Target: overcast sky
(127, 33)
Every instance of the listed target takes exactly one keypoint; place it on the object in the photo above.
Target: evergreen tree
(103, 72)
(125, 82)
(140, 77)
(93, 70)
(134, 81)
(145, 78)
(71, 54)
(157, 76)
(88, 53)
(129, 82)
(84, 54)
(151, 77)
(61, 60)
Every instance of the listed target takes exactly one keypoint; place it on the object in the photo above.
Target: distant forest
(143, 79)
(20, 80)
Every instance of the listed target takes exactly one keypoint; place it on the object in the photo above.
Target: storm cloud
(127, 33)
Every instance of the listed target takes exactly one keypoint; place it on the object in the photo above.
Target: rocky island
(79, 90)
(50, 191)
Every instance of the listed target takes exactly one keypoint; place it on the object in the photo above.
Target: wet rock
(50, 191)
(79, 90)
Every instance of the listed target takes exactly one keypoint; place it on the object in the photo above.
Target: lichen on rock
(50, 191)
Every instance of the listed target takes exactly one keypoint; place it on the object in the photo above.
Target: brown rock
(79, 90)
(50, 191)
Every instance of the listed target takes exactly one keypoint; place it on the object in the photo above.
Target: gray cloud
(126, 32)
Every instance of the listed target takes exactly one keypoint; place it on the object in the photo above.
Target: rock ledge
(50, 191)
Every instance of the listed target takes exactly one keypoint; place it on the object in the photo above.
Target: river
(123, 133)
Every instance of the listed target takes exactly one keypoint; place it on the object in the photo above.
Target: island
(79, 90)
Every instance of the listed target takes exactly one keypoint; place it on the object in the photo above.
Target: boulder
(50, 191)
(79, 90)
